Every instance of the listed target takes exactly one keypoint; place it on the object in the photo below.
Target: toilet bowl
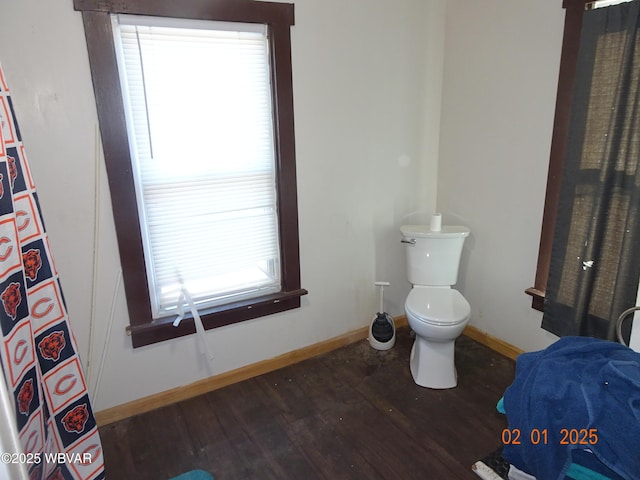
(438, 316)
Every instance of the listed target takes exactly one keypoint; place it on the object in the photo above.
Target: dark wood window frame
(104, 71)
(574, 10)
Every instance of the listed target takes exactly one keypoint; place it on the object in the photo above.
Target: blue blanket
(579, 393)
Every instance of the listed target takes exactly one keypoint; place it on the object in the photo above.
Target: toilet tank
(433, 258)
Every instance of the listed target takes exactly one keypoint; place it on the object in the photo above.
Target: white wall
(500, 77)
(367, 80)
(378, 120)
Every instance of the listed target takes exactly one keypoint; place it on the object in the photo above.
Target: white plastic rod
(382, 285)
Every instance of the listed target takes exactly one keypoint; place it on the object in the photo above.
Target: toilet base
(432, 363)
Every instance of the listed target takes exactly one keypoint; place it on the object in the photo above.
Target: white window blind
(199, 115)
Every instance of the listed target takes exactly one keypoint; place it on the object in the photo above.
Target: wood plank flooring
(354, 413)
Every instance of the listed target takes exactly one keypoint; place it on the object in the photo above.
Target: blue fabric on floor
(576, 383)
(586, 466)
(194, 475)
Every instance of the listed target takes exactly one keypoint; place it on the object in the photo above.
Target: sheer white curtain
(9, 443)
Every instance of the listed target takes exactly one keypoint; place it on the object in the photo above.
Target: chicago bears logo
(11, 298)
(75, 420)
(51, 345)
(32, 263)
(13, 171)
(25, 396)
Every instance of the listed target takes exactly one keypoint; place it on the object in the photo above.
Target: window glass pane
(199, 115)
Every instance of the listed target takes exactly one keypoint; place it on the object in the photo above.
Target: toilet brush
(382, 332)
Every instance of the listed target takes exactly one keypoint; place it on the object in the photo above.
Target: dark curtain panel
(595, 259)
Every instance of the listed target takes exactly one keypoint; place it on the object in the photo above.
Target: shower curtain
(56, 428)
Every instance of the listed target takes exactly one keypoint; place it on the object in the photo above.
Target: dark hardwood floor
(354, 413)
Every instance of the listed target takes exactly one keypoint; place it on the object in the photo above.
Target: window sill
(163, 329)
(537, 298)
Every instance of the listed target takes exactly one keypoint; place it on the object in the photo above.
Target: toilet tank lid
(425, 231)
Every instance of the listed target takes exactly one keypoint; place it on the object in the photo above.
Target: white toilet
(436, 312)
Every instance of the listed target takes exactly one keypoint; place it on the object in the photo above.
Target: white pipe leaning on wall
(96, 251)
(634, 342)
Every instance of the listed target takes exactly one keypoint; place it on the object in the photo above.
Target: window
(570, 44)
(196, 116)
(588, 266)
(206, 194)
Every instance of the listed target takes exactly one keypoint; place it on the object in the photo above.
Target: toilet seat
(437, 305)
